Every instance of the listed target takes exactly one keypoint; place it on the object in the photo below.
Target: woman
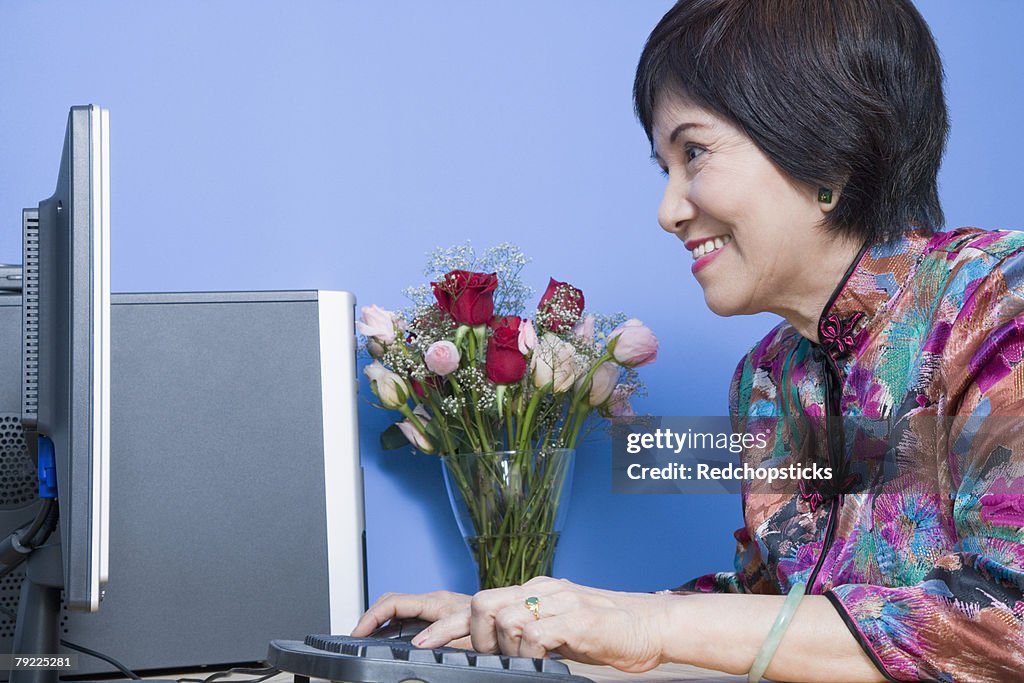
(801, 142)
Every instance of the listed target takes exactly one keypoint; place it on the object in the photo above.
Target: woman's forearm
(725, 632)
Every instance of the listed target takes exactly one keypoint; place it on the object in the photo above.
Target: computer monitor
(65, 353)
(235, 483)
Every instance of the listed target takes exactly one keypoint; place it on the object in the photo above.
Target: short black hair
(837, 93)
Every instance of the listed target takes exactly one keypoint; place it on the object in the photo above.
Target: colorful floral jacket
(920, 353)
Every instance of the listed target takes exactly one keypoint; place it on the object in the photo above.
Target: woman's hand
(590, 625)
(448, 611)
(624, 630)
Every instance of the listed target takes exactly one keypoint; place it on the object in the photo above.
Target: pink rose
(417, 438)
(584, 329)
(527, 337)
(554, 363)
(375, 348)
(442, 357)
(633, 344)
(388, 386)
(603, 383)
(376, 323)
(618, 403)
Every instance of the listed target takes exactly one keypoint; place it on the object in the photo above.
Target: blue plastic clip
(47, 469)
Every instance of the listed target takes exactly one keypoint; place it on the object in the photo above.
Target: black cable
(10, 613)
(37, 523)
(48, 526)
(99, 655)
(23, 540)
(268, 672)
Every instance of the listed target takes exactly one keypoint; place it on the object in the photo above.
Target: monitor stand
(38, 626)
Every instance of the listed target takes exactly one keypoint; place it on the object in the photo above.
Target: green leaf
(432, 428)
(392, 438)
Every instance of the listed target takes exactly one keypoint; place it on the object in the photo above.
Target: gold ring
(532, 603)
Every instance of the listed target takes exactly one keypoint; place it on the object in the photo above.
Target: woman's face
(751, 232)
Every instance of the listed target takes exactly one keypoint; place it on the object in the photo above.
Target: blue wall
(272, 145)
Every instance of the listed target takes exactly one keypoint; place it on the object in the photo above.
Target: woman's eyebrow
(683, 126)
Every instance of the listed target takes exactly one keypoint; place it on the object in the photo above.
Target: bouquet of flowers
(471, 375)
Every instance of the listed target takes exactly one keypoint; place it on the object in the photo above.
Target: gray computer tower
(235, 485)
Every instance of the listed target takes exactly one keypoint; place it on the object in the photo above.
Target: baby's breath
(605, 323)
(471, 378)
(452, 406)
(485, 397)
(400, 361)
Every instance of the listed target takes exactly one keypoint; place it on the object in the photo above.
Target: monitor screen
(66, 346)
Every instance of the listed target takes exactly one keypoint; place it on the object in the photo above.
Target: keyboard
(386, 660)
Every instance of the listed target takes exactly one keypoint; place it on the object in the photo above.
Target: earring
(824, 195)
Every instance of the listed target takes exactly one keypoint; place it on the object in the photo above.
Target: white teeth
(710, 246)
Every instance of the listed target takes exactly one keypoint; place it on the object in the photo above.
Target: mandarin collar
(873, 281)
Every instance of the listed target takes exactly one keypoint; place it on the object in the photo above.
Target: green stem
(509, 428)
(524, 427)
(484, 437)
(580, 418)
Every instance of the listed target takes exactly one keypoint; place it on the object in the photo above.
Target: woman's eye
(692, 153)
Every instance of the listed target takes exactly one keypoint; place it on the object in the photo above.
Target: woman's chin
(722, 305)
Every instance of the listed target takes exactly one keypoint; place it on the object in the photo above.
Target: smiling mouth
(710, 245)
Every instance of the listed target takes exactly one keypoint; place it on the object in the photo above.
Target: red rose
(562, 305)
(505, 364)
(467, 297)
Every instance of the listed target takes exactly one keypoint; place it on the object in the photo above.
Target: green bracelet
(771, 643)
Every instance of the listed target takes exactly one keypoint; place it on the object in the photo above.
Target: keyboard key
(524, 664)
(423, 656)
(378, 652)
(552, 666)
(491, 662)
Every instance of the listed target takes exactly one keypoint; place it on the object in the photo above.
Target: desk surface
(668, 673)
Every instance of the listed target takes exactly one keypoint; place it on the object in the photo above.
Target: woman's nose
(676, 208)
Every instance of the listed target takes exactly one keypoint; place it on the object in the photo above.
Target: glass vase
(510, 507)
